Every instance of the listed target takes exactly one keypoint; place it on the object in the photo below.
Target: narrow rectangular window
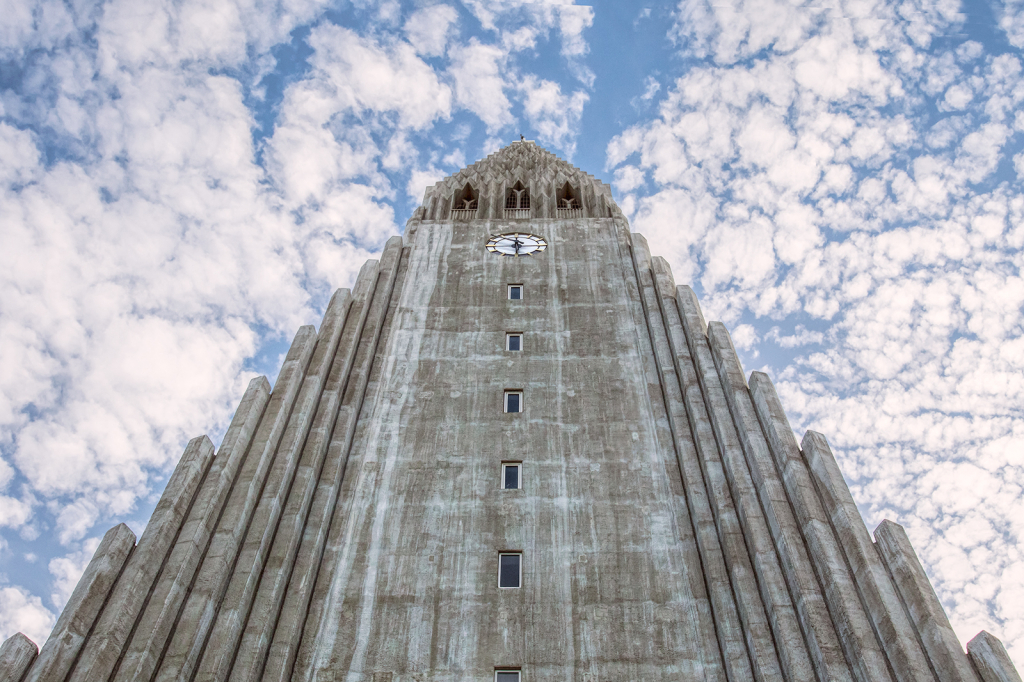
(515, 292)
(506, 676)
(514, 341)
(510, 569)
(513, 401)
(511, 475)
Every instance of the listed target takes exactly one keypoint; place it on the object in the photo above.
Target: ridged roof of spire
(523, 161)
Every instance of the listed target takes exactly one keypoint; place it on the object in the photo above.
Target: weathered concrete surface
(919, 598)
(856, 635)
(349, 380)
(877, 593)
(16, 655)
(158, 620)
(819, 633)
(189, 638)
(80, 613)
(991, 660)
(131, 591)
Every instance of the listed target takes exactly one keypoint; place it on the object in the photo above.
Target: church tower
(513, 452)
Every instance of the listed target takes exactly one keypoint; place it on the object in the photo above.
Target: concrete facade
(349, 527)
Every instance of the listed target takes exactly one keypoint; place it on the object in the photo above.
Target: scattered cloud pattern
(184, 183)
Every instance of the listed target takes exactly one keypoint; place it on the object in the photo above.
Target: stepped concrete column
(294, 608)
(16, 655)
(940, 642)
(877, 593)
(189, 636)
(700, 445)
(684, 449)
(222, 648)
(80, 613)
(158, 620)
(857, 636)
(991, 660)
(782, 614)
(819, 632)
(106, 644)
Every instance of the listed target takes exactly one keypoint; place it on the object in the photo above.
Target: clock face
(516, 244)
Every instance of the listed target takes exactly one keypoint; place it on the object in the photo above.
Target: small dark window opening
(568, 197)
(467, 199)
(506, 676)
(515, 292)
(510, 569)
(513, 401)
(514, 341)
(510, 476)
(518, 197)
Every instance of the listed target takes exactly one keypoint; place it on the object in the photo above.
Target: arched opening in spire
(466, 203)
(569, 205)
(517, 201)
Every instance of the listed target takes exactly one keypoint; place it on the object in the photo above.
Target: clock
(516, 244)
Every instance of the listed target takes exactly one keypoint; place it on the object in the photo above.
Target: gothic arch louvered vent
(517, 202)
(569, 205)
(466, 203)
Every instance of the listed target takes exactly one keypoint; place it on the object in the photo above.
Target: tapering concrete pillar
(778, 603)
(223, 647)
(189, 637)
(940, 642)
(700, 446)
(991, 660)
(684, 449)
(80, 613)
(104, 647)
(862, 649)
(374, 289)
(877, 593)
(16, 655)
(815, 622)
(158, 619)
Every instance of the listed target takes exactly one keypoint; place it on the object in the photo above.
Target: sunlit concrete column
(892, 625)
(991, 660)
(856, 635)
(16, 655)
(919, 598)
(80, 613)
(105, 646)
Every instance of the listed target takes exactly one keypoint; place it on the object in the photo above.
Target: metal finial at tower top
(522, 138)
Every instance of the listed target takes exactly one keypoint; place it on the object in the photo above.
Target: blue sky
(184, 183)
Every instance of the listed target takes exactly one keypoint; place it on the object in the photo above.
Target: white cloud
(555, 116)
(430, 28)
(21, 611)
(480, 82)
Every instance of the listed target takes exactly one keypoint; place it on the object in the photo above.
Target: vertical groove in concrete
(863, 652)
(990, 660)
(789, 637)
(80, 613)
(16, 655)
(892, 626)
(919, 599)
(266, 604)
(200, 609)
(698, 472)
(223, 640)
(317, 576)
(104, 647)
(752, 611)
(288, 628)
(720, 646)
(819, 633)
(157, 622)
